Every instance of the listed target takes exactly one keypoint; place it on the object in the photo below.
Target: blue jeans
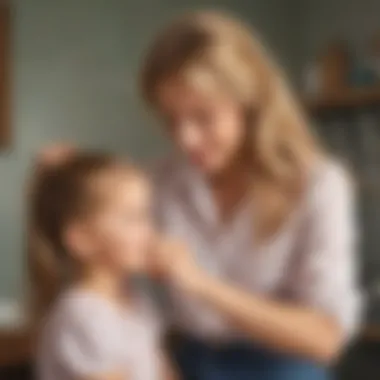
(240, 361)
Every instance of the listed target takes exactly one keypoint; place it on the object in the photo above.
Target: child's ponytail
(44, 274)
(43, 265)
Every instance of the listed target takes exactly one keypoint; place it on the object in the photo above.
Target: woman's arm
(288, 328)
(284, 327)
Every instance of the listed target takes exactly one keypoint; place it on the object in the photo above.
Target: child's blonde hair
(59, 196)
(209, 47)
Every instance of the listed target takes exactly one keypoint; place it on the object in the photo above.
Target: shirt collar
(197, 192)
(199, 197)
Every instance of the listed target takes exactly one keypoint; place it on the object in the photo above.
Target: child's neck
(106, 284)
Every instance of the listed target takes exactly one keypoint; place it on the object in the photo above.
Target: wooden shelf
(348, 98)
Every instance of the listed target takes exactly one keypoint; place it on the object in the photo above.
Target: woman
(263, 286)
(268, 273)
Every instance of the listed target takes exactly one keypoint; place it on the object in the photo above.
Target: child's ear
(78, 241)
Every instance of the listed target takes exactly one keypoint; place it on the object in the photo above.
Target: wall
(323, 20)
(353, 21)
(75, 65)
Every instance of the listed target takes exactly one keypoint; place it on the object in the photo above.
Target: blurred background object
(335, 68)
(329, 74)
(374, 55)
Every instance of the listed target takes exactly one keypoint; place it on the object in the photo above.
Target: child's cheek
(131, 254)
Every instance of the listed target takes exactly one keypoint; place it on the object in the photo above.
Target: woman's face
(207, 126)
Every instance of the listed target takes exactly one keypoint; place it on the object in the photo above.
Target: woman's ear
(78, 242)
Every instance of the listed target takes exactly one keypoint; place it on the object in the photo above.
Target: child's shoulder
(79, 317)
(78, 308)
(78, 300)
(82, 332)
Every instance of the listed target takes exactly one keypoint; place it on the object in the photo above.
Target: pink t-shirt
(85, 335)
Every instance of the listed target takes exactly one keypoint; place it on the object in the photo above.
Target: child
(91, 225)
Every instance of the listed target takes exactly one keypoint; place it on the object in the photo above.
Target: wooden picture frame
(5, 62)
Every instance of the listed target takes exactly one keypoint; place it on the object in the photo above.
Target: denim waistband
(241, 360)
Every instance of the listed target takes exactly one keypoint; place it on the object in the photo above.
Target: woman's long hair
(282, 148)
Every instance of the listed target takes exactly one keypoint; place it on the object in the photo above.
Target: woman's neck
(237, 171)
(237, 174)
(229, 188)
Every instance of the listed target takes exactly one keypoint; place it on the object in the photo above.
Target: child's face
(120, 233)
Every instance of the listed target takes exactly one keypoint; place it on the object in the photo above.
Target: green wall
(74, 68)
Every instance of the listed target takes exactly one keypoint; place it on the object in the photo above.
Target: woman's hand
(286, 327)
(174, 261)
